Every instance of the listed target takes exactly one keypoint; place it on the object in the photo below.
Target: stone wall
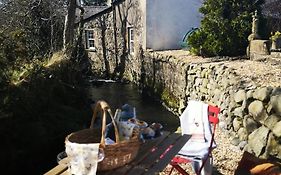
(251, 115)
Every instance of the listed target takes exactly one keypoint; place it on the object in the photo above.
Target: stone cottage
(124, 28)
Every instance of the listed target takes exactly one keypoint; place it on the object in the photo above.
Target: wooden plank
(154, 155)
(162, 163)
(65, 173)
(57, 170)
(148, 146)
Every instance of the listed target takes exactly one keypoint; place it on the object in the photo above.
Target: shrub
(224, 28)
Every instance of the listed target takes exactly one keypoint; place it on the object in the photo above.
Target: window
(131, 44)
(90, 42)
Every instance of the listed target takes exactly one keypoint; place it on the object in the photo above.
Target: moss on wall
(169, 99)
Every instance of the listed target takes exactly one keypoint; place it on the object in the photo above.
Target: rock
(240, 96)
(225, 83)
(222, 125)
(181, 106)
(242, 134)
(203, 73)
(228, 121)
(248, 149)
(235, 141)
(205, 83)
(271, 120)
(224, 105)
(244, 104)
(249, 94)
(237, 123)
(276, 91)
(269, 108)
(191, 78)
(242, 145)
(198, 81)
(273, 148)
(277, 129)
(257, 140)
(256, 108)
(217, 95)
(250, 124)
(232, 105)
(262, 94)
(239, 111)
(233, 81)
(203, 90)
(275, 101)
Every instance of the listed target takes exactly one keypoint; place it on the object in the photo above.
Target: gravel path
(226, 156)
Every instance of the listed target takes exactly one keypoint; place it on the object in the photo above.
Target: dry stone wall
(251, 115)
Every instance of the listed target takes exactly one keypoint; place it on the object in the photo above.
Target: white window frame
(89, 39)
(131, 41)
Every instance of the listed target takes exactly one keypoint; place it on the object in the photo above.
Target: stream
(147, 109)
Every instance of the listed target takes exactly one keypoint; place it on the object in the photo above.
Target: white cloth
(194, 120)
(196, 113)
(126, 129)
(83, 158)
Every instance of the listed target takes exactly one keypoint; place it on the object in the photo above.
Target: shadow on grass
(41, 112)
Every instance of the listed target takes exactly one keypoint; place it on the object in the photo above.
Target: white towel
(194, 147)
(192, 120)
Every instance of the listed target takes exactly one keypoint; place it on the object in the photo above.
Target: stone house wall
(111, 37)
(158, 24)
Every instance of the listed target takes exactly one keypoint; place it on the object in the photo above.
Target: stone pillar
(255, 24)
(257, 48)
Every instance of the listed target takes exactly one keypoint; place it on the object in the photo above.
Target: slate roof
(90, 11)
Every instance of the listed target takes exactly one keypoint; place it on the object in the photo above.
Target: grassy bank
(42, 103)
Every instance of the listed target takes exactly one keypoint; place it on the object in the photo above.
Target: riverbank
(45, 104)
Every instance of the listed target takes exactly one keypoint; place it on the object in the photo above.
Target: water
(147, 109)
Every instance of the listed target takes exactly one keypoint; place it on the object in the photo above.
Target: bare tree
(40, 21)
(69, 24)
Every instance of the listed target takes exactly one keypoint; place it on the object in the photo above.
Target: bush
(224, 27)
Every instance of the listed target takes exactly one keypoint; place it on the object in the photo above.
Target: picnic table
(153, 156)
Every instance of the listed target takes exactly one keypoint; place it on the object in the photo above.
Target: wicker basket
(115, 155)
